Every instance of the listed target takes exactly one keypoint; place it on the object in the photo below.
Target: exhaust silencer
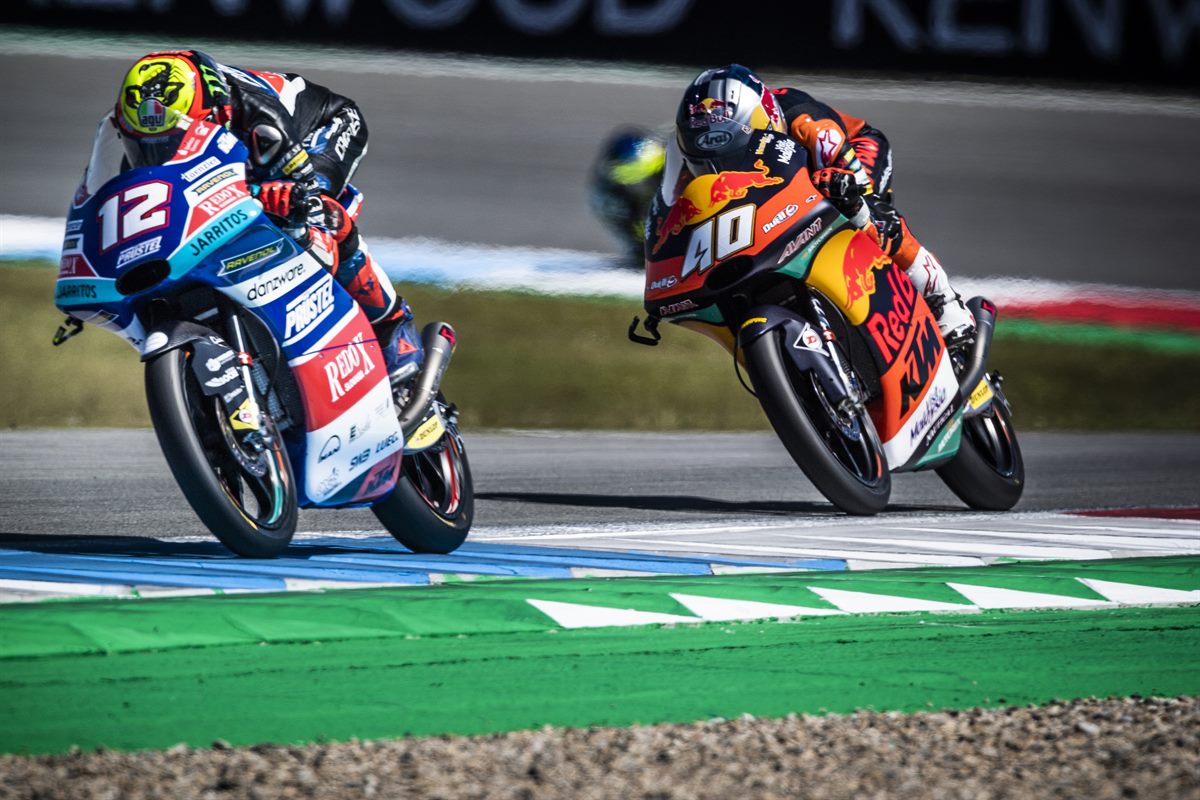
(984, 311)
(439, 341)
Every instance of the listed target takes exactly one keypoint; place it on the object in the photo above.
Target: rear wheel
(988, 473)
(433, 504)
(240, 485)
(838, 449)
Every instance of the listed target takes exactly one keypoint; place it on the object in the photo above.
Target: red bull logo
(708, 105)
(708, 194)
(859, 267)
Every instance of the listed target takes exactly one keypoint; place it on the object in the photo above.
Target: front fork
(854, 400)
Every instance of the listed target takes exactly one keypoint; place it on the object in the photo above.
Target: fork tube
(827, 337)
(233, 327)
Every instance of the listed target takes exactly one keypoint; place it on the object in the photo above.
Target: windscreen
(159, 148)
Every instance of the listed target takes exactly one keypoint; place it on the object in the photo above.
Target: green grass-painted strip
(1096, 334)
(474, 658)
(374, 688)
(92, 626)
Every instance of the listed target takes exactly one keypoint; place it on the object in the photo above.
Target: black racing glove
(887, 224)
(840, 186)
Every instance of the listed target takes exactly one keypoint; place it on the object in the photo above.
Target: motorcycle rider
(850, 161)
(305, 144)
(623, 182)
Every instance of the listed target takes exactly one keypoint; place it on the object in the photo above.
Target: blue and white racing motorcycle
(266, 385)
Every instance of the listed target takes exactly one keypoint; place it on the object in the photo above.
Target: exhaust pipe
(439, 340)
(984, 311)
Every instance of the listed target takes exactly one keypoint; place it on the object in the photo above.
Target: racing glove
(844, 192)
(298, 202)
(887, 224)
(340, 225)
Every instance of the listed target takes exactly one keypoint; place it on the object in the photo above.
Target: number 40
(734, 232)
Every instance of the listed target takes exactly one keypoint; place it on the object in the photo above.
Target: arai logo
(713, 140)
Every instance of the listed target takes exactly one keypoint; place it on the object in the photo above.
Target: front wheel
(988, 473)
(837, 449)
(241, 486)
(433, 504)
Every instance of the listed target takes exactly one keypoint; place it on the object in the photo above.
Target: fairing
(194, 219)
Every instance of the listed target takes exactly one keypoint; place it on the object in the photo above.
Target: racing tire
(988, 472)
(843, 458)
(433, 505)
(247, 498)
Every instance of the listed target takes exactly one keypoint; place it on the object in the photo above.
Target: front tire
(841, 455)
(245, 494)
(433, 505)
(988, 473)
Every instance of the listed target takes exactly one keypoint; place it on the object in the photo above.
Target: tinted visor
(157, 149)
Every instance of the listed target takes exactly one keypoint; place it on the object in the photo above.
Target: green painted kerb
(477, 658)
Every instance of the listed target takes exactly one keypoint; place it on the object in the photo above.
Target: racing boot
(401, 343)
(954, 319)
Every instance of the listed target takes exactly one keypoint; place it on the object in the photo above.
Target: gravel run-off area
(1094, 749)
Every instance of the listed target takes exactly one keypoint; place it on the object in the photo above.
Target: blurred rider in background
(305, 143)
(623, 182)
(850, 162)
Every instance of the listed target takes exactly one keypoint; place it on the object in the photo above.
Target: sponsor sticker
(262, 288)
(308, 310)
(140, 249)
(981, 395)
(784, 215)
(243, 260)
(426, 433)
(216, 231)
(805, 236)
(201, 168)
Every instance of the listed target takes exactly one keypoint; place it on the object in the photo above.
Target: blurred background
(1048, 140)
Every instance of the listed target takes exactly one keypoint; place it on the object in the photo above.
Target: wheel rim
(437, 476)
(846, 437)
(251, 471)
(994, 440)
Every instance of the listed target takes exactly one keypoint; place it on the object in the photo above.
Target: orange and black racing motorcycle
(843, 353)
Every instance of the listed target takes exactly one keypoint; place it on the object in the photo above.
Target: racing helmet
(624, 179)
(719, 112)
(163, 90)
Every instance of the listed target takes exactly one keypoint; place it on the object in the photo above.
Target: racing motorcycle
(843, 353)
(266, 385)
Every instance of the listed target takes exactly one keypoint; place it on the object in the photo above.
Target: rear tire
(988, 473)
(433, 505)
(246, 497)
(842, 457)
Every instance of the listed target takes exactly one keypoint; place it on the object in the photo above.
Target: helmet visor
(156, 149)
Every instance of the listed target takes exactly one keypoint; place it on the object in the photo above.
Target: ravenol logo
(244, 260)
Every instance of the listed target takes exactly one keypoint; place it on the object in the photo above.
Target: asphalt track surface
(88, 483)
(999, 181)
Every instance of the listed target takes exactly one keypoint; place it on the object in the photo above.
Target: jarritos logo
(708, 195)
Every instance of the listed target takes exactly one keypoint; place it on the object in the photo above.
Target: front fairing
(142, 233)
(730, 227)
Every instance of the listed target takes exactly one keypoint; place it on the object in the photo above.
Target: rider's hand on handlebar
(842, 189)
(296, 201)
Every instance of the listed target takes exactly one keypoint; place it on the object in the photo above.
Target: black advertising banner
(1110, 41)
